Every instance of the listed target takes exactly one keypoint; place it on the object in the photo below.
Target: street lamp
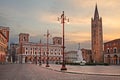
(21, 52)
(47, 35)
(40, 54)
(62, 19)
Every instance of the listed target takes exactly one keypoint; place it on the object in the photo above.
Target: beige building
(87, 55)
(97, 37)
(71, 56)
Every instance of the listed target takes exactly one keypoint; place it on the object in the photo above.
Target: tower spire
(96, 14)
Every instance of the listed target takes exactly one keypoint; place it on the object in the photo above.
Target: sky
(37, 16)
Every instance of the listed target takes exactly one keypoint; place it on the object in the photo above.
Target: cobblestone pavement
(34, 72)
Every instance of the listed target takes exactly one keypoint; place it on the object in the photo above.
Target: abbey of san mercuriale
(111, 52)
(27, 52)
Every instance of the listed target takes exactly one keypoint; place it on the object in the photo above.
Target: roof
(3, 35)
(115, 40)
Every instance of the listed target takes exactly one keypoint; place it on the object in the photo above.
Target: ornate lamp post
(40, 54)
(47, 35)
(62, 19)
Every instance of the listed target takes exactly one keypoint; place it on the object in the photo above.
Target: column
(23, 59)
(118, 60)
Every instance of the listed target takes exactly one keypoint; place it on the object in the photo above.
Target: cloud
(48, 17)
(79, 20)
(77, 37)
(35, 17)
(111, 36)
(90, 3)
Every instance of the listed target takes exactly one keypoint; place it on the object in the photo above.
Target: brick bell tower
(23, 38)
(57, 40)
(97, 37)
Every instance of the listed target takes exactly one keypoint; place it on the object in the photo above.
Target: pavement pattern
(34, 72)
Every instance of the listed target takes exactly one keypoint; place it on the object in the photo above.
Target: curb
(81, 73)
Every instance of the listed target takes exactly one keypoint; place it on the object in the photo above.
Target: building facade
(5, 31)
(13, 54)
(97, 37)
(87, 55)
(29, 52)
(70, 56)
(112, 52)
(4, 39)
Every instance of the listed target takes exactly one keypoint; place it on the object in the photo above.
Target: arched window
(108, 50)
(115, 50)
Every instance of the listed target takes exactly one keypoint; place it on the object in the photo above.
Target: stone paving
(97, 70)
(34, 72)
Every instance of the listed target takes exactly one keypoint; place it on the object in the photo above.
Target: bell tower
(23, 38)
(97, 37)
(57, 40)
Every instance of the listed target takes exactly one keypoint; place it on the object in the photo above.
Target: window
(115, 50)
(55, 49)
(118, 50)
(24, 39)
(108, 50)
(43, 53)
(35, 48)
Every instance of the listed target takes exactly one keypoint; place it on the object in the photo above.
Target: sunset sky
(36, 16)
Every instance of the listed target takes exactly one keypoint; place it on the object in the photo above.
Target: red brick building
(112, 52)
(29, 51)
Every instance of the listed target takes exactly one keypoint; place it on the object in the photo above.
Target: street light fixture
(21, 52)
(40, 54)
(47, 35)
(62, 19)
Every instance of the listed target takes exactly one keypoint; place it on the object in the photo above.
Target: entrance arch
(115, 59)
(108, 59)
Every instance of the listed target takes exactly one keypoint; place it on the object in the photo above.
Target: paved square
(34, 72)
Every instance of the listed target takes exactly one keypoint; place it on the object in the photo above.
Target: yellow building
(4, 39)
(3, 47)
